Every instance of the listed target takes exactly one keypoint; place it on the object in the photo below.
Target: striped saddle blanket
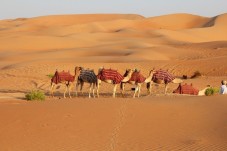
(162, 75)
(110, 74)
(87, 75)
(62, 76)
(186, 89)
(137, 77)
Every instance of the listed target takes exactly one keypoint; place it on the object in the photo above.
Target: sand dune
(179, 21)
(75, 31)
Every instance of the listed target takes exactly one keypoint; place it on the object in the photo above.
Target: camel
(136, 79)
(188, 89)
(66, 79)
(112, 77)
(87, 76)
(162, 77)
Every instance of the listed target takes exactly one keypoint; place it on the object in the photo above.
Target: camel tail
(177, 81)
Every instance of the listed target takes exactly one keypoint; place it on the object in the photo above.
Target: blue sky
(147, 8)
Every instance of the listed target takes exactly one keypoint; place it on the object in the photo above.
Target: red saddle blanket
(186, 89)
(62, 76)
(163, 75)
(110, 74)
(137, 77)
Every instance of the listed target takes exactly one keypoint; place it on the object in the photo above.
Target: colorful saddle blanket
(137, 77)
(186, 89)
(110, 74)
(162, 75)
(62, 76)
(87, 76)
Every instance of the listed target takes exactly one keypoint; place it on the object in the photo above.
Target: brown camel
(162, 77)
(112, 77)
(66, 79)
(136, 79)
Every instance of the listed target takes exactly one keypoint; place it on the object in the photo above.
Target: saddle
(137, 77)
(110, 74)
(87, 75)
(62, 76)
(162, 75)
(186, 89)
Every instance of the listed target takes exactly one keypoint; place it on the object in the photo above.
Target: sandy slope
(151, 123)
(32, 48)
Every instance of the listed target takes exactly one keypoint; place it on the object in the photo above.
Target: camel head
(77, 71)
(100, 70)
(136, 70)
(152, 71)
(127, 75)
(127, 72)
(130, 72)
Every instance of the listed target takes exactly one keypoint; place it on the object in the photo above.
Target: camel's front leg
(123, 89)
(69, 89)
(89, 95)
(136, 89)
(114, 90)
(52, 89)
(98, 86)
(139, 89)
(81, 87)
(149, 87)
(76, 88)
(66, 88)
(166, 86)
(93, 90)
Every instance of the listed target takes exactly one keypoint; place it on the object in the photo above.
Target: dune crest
(111, 38)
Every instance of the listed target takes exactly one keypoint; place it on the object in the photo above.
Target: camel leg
(69, 90)
(136, 89)
(81, 87)
(149, 86)
(114, 90)
(98, 86)
(66, 88)
(52, 89)
(123, 89)
(93, 90)
(76, 88)
(139, 88)
(166, 88)
(90, 90)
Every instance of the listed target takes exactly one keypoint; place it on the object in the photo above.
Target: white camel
(136, 79)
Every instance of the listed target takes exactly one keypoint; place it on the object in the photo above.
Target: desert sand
(32, 48)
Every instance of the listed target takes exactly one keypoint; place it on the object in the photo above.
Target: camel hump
(62, 76)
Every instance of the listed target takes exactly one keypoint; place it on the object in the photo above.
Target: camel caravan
(110, 76)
